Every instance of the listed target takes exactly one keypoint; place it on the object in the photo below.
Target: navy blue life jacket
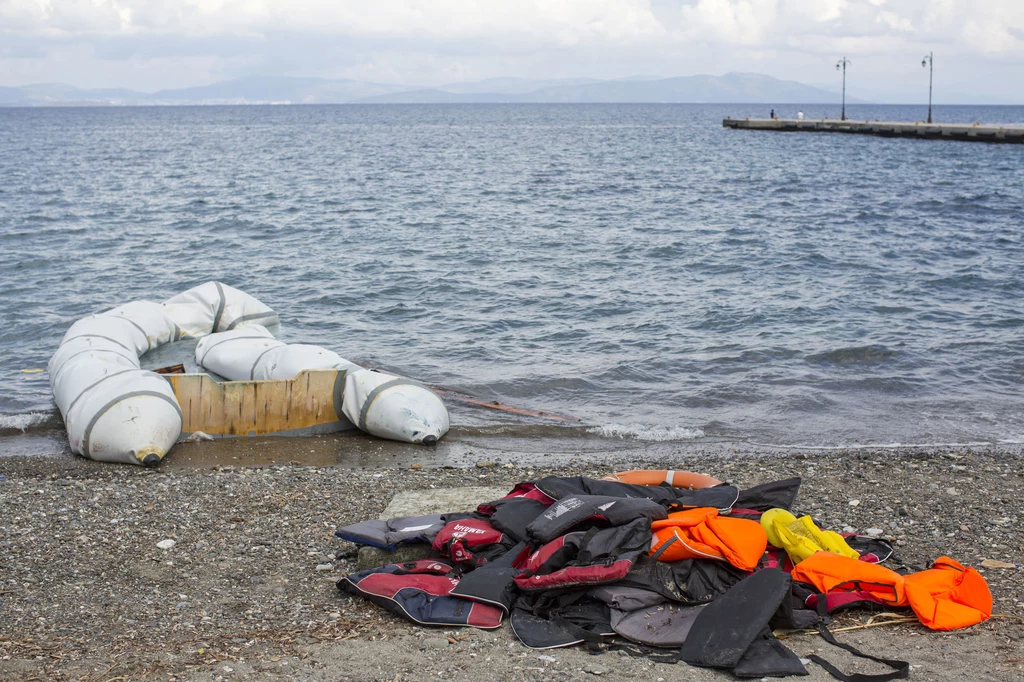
(421, 591)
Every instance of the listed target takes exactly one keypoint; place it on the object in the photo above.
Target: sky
(150, 45)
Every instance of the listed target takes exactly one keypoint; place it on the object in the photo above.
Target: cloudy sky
(153, 44)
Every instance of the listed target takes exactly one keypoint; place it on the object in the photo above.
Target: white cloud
(434, 41)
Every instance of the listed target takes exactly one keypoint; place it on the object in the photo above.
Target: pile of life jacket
(703, 576)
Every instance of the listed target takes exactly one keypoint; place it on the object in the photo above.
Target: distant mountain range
(730, 88)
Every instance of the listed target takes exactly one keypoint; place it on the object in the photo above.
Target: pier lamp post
(927, 61)
(842, 65)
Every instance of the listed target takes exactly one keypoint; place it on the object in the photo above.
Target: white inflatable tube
(395, 408)
(113, 410)
(380, 404)
(253, 354)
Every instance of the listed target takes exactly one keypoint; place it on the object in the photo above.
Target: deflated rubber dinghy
(115, 411)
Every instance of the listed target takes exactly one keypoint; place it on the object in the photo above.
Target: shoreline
(534, 444)
(85, 593)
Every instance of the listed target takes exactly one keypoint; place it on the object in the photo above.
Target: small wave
(11, 424)
(645, 432)
(855, 355)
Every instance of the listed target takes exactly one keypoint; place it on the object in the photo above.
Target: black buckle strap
(822, 608)
(901, 669)
(585, 555)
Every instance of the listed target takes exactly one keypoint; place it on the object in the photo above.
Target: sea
(639, 267)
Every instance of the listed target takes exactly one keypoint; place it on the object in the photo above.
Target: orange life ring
(677, 479)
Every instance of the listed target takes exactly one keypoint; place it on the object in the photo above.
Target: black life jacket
(512, 515)
(646, 617)
(732, 631)
(494, 582)
(721, 497)
(691, 581)
(588, 511)
(578, 559)
(558, 618)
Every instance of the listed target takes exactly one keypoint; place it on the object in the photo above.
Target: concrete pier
(927, 131)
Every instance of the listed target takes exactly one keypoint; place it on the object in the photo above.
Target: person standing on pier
(800, 115)
(772, 115)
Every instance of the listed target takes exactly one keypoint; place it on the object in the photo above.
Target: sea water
(637, 266)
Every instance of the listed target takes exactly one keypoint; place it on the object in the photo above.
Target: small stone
(548, 659)
(996, 563)
(874, 531)
(854, 503)
(435, 643)
(597, 669)
(335, 615)
(486, 464)
(917, 514)
(849, 529)
(952, 491)
(325, 567)
(166, 544)
(417, 467)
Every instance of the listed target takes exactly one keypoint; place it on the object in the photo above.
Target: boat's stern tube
(392, 407)
(115, 411)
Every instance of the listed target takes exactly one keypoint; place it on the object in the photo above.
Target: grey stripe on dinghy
(96, 417)
(100, 381)
(100, 336)
(237, 338)
(252, 370)
(339, 393)
(377, 391)
(64, 365)
(149, 344)
(250, 318)
(220, 307)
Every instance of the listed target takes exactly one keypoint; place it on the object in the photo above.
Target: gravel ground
(247, 592)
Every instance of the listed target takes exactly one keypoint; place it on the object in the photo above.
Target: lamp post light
(927, 61)
(842, 65)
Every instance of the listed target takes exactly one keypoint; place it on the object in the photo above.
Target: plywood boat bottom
(309, 403)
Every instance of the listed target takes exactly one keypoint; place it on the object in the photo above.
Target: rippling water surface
(636, 265)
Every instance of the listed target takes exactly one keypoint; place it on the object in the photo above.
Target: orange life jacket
(702, 534)
(948, 596)
(944, 597)
(830, 572)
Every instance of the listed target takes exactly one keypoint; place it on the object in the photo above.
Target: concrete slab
(418, 502)
(441, 500)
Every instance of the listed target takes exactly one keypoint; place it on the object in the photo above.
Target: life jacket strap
(901, 669)
(665, 545)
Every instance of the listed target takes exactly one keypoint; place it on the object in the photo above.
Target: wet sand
(248, 590)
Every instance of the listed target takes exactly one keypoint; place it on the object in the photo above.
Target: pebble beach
(213, 572)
